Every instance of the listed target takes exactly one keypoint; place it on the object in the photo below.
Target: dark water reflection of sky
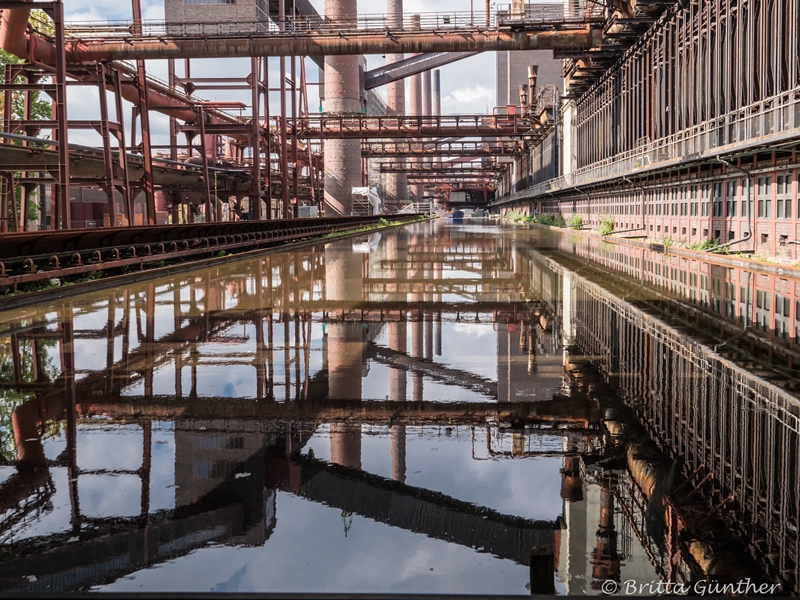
(204, 345)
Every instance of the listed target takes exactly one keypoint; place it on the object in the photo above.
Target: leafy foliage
(40, 107)
(705, 244)
(575, 222)
(10, 399)
(552, 220)
(606, 226)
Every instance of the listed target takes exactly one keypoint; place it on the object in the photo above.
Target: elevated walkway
(410, 126)
(311, 35)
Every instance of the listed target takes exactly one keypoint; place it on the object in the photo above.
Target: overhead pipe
(644, 193)
(12, 31)
(747, 235)
(322, 43)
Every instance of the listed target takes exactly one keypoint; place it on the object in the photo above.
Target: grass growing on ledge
(575, 222)
(606, 226)
(705, 245)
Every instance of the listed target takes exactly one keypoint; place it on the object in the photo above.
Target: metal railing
(545, 16)
(417, 208)
(413, 126)
(400, 148)
(772, 120)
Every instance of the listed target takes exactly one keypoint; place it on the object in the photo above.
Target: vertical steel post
(64, 218)
(295, 171)
(144, 115)
(255, 139)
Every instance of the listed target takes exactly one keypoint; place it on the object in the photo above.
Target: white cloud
(472, 93)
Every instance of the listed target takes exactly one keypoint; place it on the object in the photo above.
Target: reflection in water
(443, 409)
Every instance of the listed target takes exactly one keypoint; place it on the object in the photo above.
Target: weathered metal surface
(33, 256)
(446, 169)
(411, 66)
(439, 149)
(86, 165)
(325, 44)
(411, 126)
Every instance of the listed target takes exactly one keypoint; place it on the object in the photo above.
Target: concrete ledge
(21, 300)
(785, 271)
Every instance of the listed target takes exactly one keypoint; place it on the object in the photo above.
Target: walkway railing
(542, 16)
(773, 120)
(410, 126)
(417, 208)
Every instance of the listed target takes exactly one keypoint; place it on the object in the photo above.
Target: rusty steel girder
(437, 149)
(446, 169)
(358, 126)
(91, 165)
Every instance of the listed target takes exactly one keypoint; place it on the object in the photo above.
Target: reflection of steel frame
(589, 440)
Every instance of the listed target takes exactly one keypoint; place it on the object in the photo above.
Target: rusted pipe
(12, 31)
(324, 44)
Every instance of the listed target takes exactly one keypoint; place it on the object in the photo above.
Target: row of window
(714, 205)
(208, 2)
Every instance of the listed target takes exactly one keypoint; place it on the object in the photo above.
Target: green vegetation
(552, 220)
(705, 245)
(667, 241)
(606, 226)
(575, 222)
(11, 399)
(40, 109)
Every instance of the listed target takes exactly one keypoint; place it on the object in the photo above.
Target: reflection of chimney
(571, 477)
(346, 445)
(398, 433)
(571, 481)
(605, 559)
(542, 571)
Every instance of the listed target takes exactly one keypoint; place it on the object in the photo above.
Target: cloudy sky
(468, 86)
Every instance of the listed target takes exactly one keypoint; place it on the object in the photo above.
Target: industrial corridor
(435, 400)
(338, 298)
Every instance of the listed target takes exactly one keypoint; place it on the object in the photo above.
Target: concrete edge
(77, 289)
(722, 260)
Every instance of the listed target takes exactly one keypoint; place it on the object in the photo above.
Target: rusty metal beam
(412, 126)
(439, 149)
(328, 44)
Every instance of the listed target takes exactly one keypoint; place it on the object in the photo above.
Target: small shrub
(667, 241)
(575, 222)
(551, 220)
(704, 245)
(606, 226)
(545, 219)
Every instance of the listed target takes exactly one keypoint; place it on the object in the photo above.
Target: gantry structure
(234, 160)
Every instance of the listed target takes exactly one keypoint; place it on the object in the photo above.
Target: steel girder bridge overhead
(228, 160)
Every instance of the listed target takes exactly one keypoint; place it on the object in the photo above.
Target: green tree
(40, 107)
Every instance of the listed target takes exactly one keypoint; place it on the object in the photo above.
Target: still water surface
(411, 411)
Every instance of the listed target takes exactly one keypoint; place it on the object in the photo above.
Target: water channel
(427, 409)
